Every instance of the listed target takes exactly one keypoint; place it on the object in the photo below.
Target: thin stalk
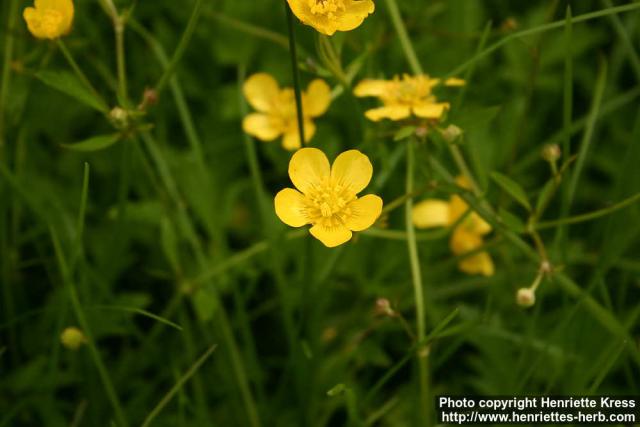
(589, 216)
(178, 386)
(118, 27)
(416, 276)
(182, 46)
(541, 29)
(296, 72)
(401, 31)
(6, 69)
(84, 324)
(78, 71)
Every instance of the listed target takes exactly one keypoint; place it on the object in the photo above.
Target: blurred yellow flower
(276, 108)
(326, 196)
(72, 338)
(468, 233)
(329, 16)
(406, 96)
(49, 19)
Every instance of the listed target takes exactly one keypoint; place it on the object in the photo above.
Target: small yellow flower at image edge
(49, 19)
(326, 195)
(468, 234)
(329, 16)
(405, 96)
(276, 109)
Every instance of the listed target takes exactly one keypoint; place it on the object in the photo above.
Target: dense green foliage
(157, 237)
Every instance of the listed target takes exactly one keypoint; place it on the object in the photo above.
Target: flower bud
(526, 297)
(72, 338)
(383, 307)
(551, 152)
(119, 117)
(451, 133)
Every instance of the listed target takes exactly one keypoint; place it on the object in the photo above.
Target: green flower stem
(182, 46)
(416, 276)
(222, 319)
(78, 71)
(590, 215)
(84, 324)
(401, 31)
(296, 72)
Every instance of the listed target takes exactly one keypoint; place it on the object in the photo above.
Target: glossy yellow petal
(263, 126)
(49, 19)
(308, 168)
(473, 223)
(454, 81)
(371, 87)
(320, 22)
(291, 139)
(430, 213)
(261, 91)
(331, 236)
(364, 212)
(393, 112)
(430, 110)
(480, 263)
(352, 170)
(463, 241)
(317, 98)
(355, 12)
(290, 207)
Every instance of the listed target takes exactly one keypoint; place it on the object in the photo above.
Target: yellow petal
(355, 12)
(291, 139)
(463, 241)
(393, 112)
(353, 170)
(261, 91)
(430, 110)
(480, 263)
(473, 223)
(454, 81)
(308, 168)
(320, 22)
(262, 126)
(430, 213)
(371, 87)
(463, 182)
(331, 236)
(317, 98)
(32, 18)
(364, 212)
(290, 207)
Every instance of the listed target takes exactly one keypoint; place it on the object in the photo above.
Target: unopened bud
(383, 307)
(149, 98)
(72, 338)
(551, 152)
(451, 133)
(526, 297)
(119, 117)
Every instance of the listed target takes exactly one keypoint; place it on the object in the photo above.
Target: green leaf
(513, 188)
(95, 143)
(70, 85)
(205, 304)
(404, 133)
(514, 223)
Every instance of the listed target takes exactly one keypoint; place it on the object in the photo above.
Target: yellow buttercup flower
(72, 338)
(467, 235)
(329, 16)
(49, 19)
(406, 96)
(326, 196)
(276, 108)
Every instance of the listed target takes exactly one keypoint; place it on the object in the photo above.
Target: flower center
(50, 21)
(410, 90)
(328, 203)
(326, 7)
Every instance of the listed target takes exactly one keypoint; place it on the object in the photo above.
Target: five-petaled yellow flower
(277, 109)
(406, 96)
(326, 196)
(49, 19)
(466, 237)
(329, 16)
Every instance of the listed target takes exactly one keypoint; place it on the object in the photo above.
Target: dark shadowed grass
(154, 232)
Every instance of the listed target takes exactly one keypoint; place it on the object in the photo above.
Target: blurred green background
(174, 225)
